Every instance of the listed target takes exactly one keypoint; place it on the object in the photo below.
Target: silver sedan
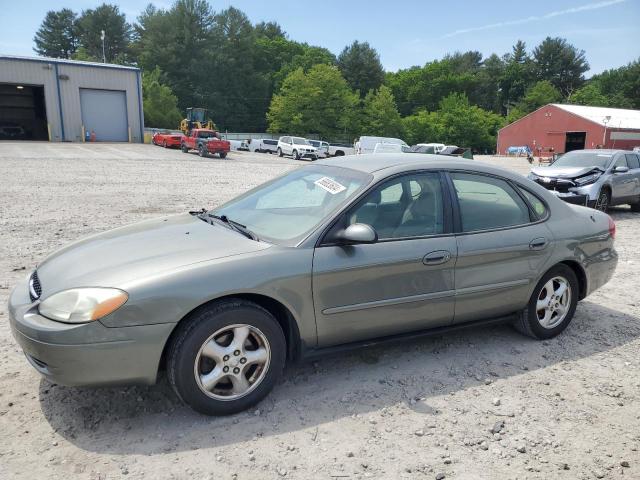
(340, 253)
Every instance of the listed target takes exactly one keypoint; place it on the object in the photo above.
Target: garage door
(105, 113)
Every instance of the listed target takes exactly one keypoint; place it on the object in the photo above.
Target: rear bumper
(88, 354)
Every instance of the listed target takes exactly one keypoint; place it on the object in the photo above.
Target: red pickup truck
(205, 142)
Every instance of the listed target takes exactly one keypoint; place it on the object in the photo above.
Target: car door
(623, 184)
(633, 161)
(404, 281)
(502, 243)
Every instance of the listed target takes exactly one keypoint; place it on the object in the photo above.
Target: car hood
(118, 256)
(562, 172)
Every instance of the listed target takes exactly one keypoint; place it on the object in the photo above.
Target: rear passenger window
(536, 203)
(488, 202)
(632, 160)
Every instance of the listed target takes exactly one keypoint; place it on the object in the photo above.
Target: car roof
(371, 163)
(601, 150)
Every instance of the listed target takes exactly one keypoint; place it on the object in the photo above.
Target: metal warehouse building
(562, 128)
(68, 101)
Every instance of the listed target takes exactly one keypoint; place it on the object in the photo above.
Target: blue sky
(405, 32)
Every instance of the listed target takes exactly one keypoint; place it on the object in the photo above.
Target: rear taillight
(612, 228)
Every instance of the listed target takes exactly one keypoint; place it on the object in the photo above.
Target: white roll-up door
(105, 113)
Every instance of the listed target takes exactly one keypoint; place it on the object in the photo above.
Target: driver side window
(403, 207)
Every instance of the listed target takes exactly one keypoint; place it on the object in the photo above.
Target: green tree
(109, 19)
(178, 41)
(360, 65)
(159, 103)
(422, 127)
(517, 75)
(319, 101)
(591, 95)
(560, 63)
(621, 85)
(541, 93)
(467, 125)
(380, 115)
(57, 36)
(307, 57)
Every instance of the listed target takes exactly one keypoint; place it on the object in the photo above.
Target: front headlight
(586, 180)
(80, 305)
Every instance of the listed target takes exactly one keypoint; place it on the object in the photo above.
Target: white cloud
(520, 21)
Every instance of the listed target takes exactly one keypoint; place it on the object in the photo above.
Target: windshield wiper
(238, 227)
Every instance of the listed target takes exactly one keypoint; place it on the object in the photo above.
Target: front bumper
(88, 354)
(574, 198)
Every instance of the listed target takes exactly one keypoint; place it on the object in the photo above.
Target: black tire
(194, 332)
(604, 200)
(295, 155)
(528, 322)
(202, 151)
(635, 207)
(164, 144)
(339, 153)
(184, 148)
(223, 154)
(279, 152)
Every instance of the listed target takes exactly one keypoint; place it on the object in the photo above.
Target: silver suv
(595, 178)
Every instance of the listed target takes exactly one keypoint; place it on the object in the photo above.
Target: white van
(368, 144)
(263, 145)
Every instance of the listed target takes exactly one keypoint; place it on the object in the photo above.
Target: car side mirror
(621, 169)
(357, 233)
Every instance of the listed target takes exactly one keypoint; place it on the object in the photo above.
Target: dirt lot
(483, 403)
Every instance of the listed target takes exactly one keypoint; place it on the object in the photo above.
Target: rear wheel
(279, 152)
(603, 201)
(184, 148)
(223, 154)
(635, 207)
(227, 358)
(552, 304)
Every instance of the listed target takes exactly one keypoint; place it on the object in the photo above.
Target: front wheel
(279, 152)
(552, 304)
(164, 144)
(635, 207)
(226, 358)
(296, 156)
(184, 148)
(603, 201)
(202, 151)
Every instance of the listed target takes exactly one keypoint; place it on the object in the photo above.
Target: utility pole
(104, 58)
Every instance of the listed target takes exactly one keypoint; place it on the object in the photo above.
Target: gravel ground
(483, 403)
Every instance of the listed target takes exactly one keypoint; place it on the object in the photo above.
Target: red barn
(557, 128)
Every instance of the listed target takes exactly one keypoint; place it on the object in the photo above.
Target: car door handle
(436, 258)
(538, 244)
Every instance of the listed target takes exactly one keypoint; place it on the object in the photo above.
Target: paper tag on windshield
(329, 185)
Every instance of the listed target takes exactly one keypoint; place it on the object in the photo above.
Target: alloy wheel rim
(232, 362)
(553, 302)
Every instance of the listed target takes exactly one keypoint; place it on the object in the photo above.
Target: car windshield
(299, 141)
(206, 134)
(285, 210)
(315, 143)
(584, 159)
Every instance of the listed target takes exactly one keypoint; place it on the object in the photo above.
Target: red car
(205, 142)
(167, 139)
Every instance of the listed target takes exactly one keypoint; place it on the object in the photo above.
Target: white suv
(297, 147)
